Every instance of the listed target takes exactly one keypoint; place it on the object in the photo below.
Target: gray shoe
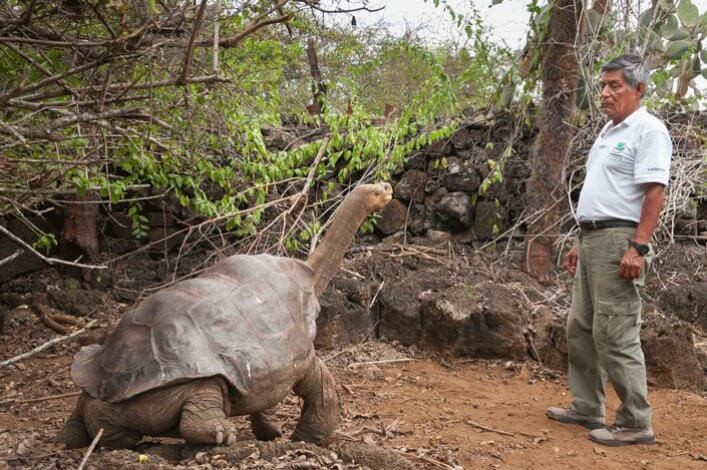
(569, 416)
(616, 436)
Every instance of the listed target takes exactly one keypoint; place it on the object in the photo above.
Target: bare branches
(254, 25)
(44, 346)
(11, 257)
(190, 48)
(18, 241)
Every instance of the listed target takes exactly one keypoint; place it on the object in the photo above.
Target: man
(618, 210)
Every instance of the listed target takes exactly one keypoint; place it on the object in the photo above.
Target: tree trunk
(546, 188)
(80, 227)
(318, 85)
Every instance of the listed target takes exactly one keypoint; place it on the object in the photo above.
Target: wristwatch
(640, 247)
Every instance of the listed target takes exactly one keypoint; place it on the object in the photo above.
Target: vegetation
(114, 104)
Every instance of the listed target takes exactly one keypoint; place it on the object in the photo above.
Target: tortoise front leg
(204, 415)
(74, 433)
(322, 409)
(263, 425)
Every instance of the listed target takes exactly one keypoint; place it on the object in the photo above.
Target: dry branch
(11, 257)
(18, 241)
(488, 429)
(49, 397)
(387, 361)
(90, 449)
(44, 346)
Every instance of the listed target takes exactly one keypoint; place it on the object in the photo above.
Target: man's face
(618, 98)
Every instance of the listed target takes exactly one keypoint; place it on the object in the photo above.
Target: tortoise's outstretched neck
(361, 202)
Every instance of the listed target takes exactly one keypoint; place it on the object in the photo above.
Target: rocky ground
(444, 358)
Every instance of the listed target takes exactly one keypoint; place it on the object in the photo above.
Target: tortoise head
(376, 195)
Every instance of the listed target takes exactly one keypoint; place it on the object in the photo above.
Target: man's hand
(571, 260)
(631, 264)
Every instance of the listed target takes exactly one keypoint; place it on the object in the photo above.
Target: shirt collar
(633, 116)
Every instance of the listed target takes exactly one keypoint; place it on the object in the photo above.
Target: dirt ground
(437, 411)
(431, 408)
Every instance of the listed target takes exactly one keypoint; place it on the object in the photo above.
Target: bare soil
(425, 407)
(429, 407)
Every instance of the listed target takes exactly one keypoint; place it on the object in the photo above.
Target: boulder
(454, 210)
(432, 220)
(487, 220)
(277, 138)
(399, 304)
(432, 185)
(417, 161)
(439, 235)
(463, 139)
(411, 186)
(67, 296)
(416, 219)
(441, 147)
(160, 219)
(550, 339)
(671, 357)
(26, 262)
(345, 318)
(483, 321)
(443, 165)
(119, 225)
(466, 180)
(392, 217)
(688, 301)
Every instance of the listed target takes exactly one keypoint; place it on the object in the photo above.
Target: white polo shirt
(624, 157)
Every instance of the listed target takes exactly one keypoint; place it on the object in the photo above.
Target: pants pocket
(620, 321)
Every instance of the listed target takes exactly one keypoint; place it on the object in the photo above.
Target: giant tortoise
(232, 341)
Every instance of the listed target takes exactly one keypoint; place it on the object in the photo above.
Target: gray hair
(632, 66)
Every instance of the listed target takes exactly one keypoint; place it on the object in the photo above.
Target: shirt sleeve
(652, 164)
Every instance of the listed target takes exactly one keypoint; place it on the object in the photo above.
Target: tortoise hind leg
(204, 412)
(322, 409)
(74, 434)
(263, 425)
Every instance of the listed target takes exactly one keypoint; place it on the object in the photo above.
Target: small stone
(599, 451)
(201, 457)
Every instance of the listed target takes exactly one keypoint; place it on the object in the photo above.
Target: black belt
(609, 223)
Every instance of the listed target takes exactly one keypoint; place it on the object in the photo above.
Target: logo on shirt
(619, 147)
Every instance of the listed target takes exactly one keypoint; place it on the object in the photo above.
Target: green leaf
(666, 5)
(703, 55)
(679, 35)
(506, 95)
(669, 27)
(676, 49)
(646, 18)
(703, 23)
(688, 13)
(695, 67)
(655, 43)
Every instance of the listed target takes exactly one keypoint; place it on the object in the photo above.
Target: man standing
(618, 210)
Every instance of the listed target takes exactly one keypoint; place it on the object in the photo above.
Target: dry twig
(44, 346)
(486, 428)
(90, 449)
(387, 361)
(50, 397)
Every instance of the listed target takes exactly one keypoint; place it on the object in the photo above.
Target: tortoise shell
(250, 319)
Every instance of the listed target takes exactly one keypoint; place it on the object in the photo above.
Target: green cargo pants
(603, 330)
